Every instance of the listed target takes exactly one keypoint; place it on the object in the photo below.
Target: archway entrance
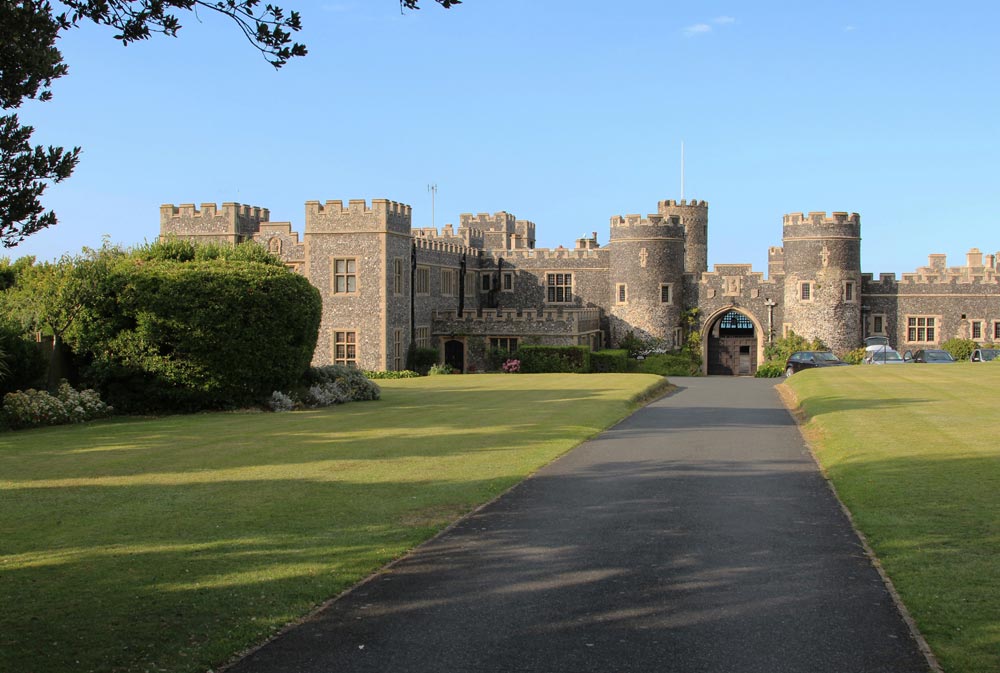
(454, 354)
(732, 345)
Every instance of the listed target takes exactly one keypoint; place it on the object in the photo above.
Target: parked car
(929, 356)
(809, 359)
(883, 356)
(876, 341)
(984, 355)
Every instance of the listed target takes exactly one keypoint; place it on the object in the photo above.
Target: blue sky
(562, 113)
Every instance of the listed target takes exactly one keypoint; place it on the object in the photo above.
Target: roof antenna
(433, 189)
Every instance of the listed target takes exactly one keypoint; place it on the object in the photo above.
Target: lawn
(913, 452)
(173, 543)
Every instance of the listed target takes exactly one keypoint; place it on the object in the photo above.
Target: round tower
(822, 264)
(646, 275)
(694, 216)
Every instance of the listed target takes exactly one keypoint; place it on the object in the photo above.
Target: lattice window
(423, 280)
(423, 337)
(448, 282)
(508, 281)
(977, 330)
(849, 291)
(397, 276)
(506, 344)
(805, 291)
(345, 349)
(345, 276)
(666, 292)
(397, 350)
(559, 287)
(920, 329)
(621, 293)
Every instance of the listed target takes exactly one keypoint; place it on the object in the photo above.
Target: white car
(883, 355)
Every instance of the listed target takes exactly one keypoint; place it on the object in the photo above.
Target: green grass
(171, 544)
(914, 453)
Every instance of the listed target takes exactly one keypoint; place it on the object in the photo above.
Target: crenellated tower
(822, 267)
(646, 276)
(232, 223)
(693, 216)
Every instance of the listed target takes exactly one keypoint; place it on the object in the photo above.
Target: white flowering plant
(34, 408)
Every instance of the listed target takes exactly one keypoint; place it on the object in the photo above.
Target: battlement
(775, 252)
(500, 221)
(552, 253)
(821, 218)
(652, 220)
(577, 319)
(683, 203)
(210, 210)
(360, 207)
(437, 245)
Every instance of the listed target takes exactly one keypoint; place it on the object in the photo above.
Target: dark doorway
(454, 354)
(732, 346)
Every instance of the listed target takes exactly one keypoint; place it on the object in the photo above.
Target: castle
(484, 286)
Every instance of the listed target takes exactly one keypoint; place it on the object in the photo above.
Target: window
(508, 281)
(996, 331)
(977, 329)
(345, 276)
(345, 349)
(448, 282)
(621, 293)
(678, 337)
(559, 287)
(397, 276)
(423, 336)
(423, 280)
(878, 324)
(505, 344)
(487, 282)
(786, 329)
(397, 350)
(920, 329)
(805, 291)
(849, 291)
(666, 290)
(470, 282)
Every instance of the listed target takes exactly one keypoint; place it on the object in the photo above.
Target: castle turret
(694, 217)
(822, 265)
(646, 275)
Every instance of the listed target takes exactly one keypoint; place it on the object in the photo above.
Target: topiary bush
(670, 364)
(421, 360)
(553, 359)
(610, 360)
(960, 349)
(350, 380)
(175, 335)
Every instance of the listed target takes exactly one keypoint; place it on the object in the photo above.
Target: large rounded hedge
(164, 334)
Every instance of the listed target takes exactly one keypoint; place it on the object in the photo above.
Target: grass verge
(912, 452)
(171, 544)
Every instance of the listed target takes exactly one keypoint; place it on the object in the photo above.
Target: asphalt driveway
(696, 536)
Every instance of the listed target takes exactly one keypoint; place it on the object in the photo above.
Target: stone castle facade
(485, 286)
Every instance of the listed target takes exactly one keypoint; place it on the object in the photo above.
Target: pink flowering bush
(512, 366)
(33, 408)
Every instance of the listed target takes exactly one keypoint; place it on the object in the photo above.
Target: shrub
(771, 369)
(512, 366)
(350, 381)
(780, 349)
(421, 360)
(670, 364)
(960, 349)
(402, 374)
(25, 363)
(553, 359)
(606, 361)
(279, 401)
(436, 370)
(184, 336)
(855, 357)
(34, 408)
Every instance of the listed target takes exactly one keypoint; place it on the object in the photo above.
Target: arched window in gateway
(735, 323)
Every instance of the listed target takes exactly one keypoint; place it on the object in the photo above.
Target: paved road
(696, 536)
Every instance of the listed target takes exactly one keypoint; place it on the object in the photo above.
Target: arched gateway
(732, 344)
